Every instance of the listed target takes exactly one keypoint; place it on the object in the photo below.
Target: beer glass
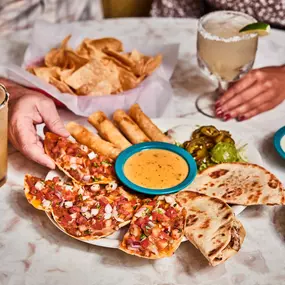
(4, 97)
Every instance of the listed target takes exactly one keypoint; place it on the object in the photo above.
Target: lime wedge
(262, 29)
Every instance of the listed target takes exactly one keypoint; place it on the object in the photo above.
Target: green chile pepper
(196, 148)
(209, 131)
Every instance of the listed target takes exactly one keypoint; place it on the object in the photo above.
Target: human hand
(258, 91)
(29, 110)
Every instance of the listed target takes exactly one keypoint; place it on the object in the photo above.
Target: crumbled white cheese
(92, 155)
(73, 216)
(73, 166)
(80, 191)
(40, 185)
(170, 200)
(84, 209)
(113, 185)
(84, 148)
(108, 209)
(87, 215)
(68, 204)
(94, 212)
(95, 187)
(85, 198)
(46, 203)
(68, 187)
(107, 216)
(73, 160)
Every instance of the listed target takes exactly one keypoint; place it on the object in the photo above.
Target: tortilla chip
(88, 51)
(128, 79)
(120, 57)
(46, 73)
(61, 86)
(106, 43)
(93, 73)
(152, 64)
(100, 89)
(64, 43)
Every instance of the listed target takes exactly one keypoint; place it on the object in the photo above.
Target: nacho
(43, 195)
(97, 212)
(79, 162)
(156, 230)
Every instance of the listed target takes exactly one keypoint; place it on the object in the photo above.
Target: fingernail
(217, 104)
(240, 118)
(219, 113)
(226, 117)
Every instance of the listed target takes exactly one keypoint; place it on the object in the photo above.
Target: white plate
(181, 131)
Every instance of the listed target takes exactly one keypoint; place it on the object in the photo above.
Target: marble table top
(33, 251)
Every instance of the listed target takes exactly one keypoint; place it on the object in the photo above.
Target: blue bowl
(277, 141)
(127, 153)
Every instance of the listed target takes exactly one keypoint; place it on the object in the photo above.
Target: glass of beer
(223, 52)
(4, 97)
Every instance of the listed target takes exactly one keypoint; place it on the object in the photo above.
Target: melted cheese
(156, 169)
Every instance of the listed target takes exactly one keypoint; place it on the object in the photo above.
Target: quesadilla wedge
(240, 183)
(211, 226)
(98, 211)
(79, 162)
(156, 230)
(43, 195)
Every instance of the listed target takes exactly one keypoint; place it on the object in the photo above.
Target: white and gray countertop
(34, 252)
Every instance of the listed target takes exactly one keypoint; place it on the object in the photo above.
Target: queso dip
(156, 169)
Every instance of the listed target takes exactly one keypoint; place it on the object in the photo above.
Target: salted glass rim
(5, 101)
(210, 36)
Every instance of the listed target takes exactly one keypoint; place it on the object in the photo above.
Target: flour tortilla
(211, 226)
(240, 183)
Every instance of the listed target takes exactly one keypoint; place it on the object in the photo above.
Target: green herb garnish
(143, 236)
(106, 163)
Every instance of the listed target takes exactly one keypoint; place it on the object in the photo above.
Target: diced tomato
(55, 150)
(142, 222)
(70, 150)
(159, 217)
(65, 219)
(55, 179)
(98, 225)
(74, 209)
(68, 195)
(162, 244)
(171, 213)
(152, 203)
(163, 235)
(103, 201)
(39, 196)
(61, 143)
(81, 220)
(145, 243)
